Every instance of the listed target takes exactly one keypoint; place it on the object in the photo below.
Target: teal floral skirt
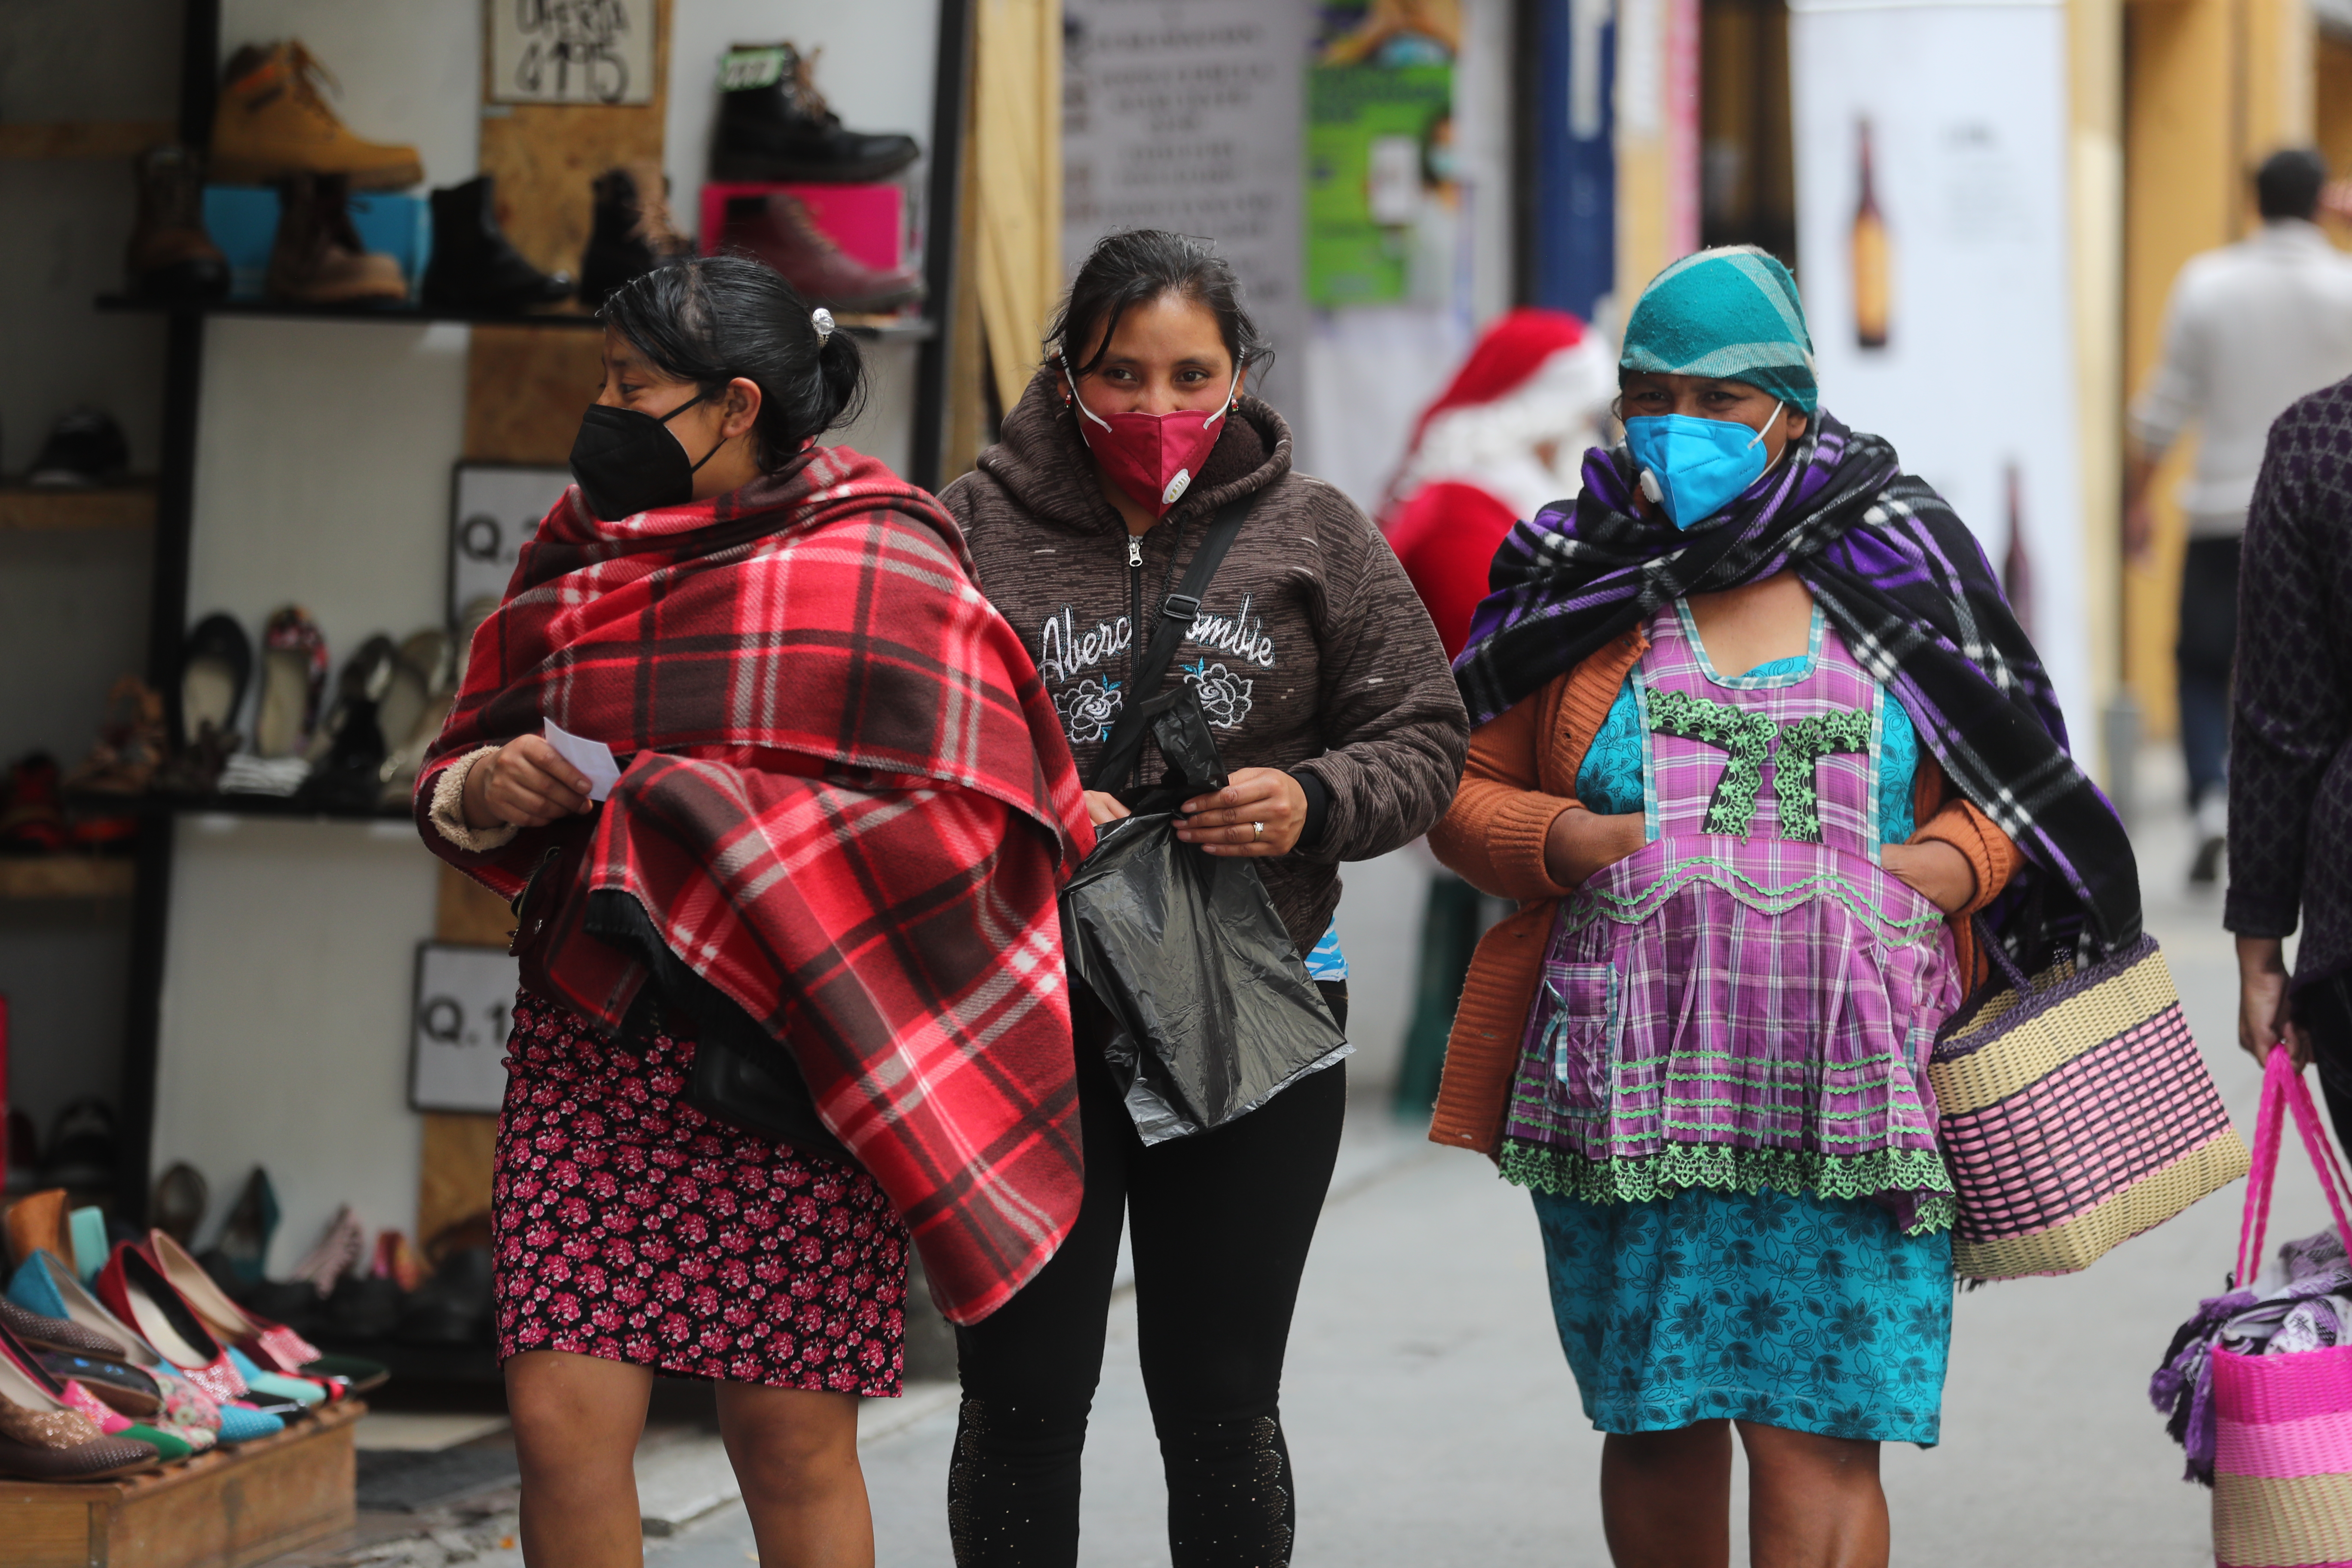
(1814, 1314)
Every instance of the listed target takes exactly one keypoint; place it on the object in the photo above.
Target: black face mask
(628, 463)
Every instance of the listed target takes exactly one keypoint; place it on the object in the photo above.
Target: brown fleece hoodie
(1311, 652)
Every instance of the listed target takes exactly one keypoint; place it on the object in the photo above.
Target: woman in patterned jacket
(1758, 735)
(1326, 693)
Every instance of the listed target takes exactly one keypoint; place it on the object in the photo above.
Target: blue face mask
(1693, 468)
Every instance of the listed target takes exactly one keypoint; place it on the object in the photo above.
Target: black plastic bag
(1211, 1010)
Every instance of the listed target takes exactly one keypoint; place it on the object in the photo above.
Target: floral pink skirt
(630, 1226)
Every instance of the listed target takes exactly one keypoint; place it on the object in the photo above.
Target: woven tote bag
(2283, 1424)
(2076, 1112)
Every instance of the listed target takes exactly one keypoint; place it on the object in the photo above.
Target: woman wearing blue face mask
(1758, 736)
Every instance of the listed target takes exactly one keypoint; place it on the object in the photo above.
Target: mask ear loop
(1080, 403)
(1777, 406)
(698, 397)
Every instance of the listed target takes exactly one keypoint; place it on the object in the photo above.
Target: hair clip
(822, 319)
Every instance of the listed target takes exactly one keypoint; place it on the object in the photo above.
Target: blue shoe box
(243, 220)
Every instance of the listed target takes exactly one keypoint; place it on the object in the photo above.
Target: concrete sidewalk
(1433, 1422)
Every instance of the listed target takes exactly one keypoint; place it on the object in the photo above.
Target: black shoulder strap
(1124, 748)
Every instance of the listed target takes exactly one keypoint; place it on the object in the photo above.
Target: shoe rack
(529, 150)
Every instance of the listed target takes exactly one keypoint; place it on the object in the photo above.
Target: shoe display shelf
(226, 1508)
(81, 138)
(27, 507)
(934, 338)
(265, 805)
(890, 329)
(66, 876)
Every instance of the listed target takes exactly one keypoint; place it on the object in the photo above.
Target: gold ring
(1257, 830)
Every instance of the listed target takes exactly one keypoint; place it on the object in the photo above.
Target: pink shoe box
(868, 222)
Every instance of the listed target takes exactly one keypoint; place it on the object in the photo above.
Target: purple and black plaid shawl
(1910, 590)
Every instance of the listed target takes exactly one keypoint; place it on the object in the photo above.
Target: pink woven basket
(2283, 1424)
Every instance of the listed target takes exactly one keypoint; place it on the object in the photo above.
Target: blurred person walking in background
(1329, 699)
(842, 817)
(1497, 446)
(2248, 328)
(2291, 766)
(1749, 711)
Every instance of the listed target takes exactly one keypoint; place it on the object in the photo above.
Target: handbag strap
(1124, 748)
(2285, 1094)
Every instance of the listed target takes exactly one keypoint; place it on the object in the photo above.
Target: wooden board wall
(525, 387)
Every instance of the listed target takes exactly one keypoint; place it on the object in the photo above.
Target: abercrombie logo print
(1090, 696)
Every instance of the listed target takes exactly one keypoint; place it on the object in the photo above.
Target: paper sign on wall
(465, 997)
(572, 51)
(495, 510)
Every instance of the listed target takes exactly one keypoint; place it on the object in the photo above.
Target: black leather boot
(773, 125)
(474, 267)
(633, 231)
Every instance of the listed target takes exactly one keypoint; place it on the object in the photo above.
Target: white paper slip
(592, 758)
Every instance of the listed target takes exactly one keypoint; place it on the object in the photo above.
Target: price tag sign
(572, 51)
(465, 997)
(495, 508)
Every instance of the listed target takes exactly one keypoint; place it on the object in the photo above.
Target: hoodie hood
(1042, 461)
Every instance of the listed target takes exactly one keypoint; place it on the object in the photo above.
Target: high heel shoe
(274, 1346)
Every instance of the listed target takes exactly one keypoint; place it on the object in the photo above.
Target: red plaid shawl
(873, 896)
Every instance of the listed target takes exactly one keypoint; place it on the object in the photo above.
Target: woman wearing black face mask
(830, 856)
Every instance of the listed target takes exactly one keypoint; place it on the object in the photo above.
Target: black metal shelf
(246, 805)
(885, 329)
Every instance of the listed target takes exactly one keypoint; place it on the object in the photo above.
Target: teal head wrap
(1730, 314)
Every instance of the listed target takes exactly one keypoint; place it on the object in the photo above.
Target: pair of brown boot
(272, 125)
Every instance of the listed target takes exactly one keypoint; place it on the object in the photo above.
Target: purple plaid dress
(1748, 1001)
(1722, 1102)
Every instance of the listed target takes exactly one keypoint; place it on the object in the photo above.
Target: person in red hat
(1500, 443)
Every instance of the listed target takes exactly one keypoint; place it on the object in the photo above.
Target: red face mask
(1154, 457)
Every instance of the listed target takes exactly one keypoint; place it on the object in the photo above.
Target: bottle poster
(1936, 244)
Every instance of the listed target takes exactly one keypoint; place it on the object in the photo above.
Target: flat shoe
(136, 1291)
(122, 1386)
(44, 1439)
(274, 1347)
(293, 681)
(215, 665)
(46, 1286)
(42, 1331)
(357, 1373)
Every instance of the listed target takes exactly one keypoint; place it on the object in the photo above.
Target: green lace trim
(1683, 1167)
(1592, 901)
(1803, 743)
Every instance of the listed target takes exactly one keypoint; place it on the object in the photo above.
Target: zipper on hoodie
(1134, 614)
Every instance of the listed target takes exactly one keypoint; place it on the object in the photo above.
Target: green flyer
(1377, 137)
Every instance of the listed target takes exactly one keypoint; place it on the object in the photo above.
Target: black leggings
(1223, 1221)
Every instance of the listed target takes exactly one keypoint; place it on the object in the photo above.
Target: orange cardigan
(1522, 775)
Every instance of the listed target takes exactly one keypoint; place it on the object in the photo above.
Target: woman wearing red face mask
(1334, 713)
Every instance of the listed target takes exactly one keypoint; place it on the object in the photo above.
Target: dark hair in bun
(711, 319)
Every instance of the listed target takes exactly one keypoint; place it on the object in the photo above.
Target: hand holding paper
(592, 758)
